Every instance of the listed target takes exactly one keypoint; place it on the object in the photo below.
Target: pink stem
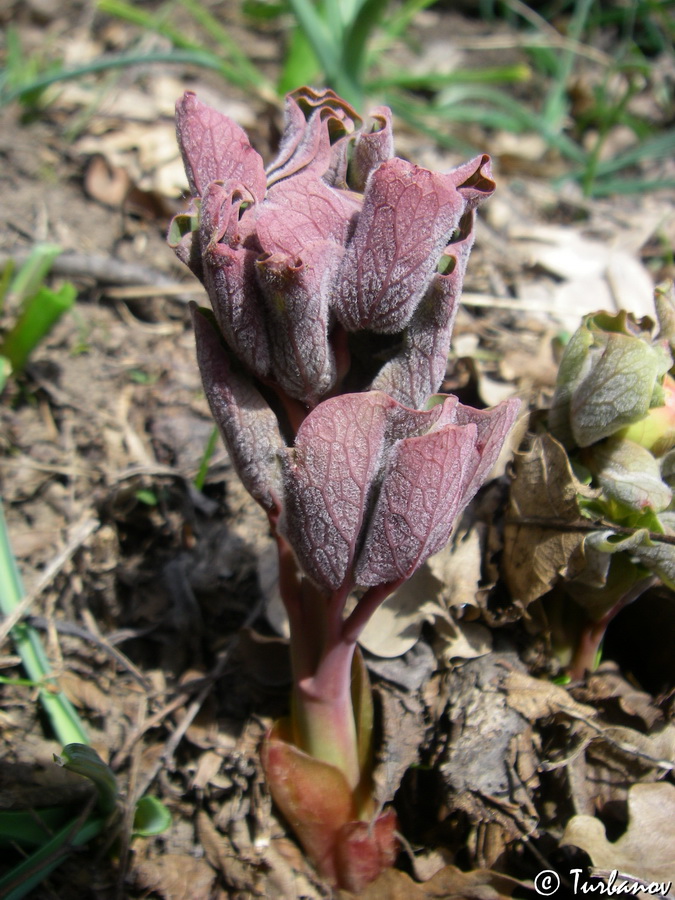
(357, 620)
(594, 632)
(321, 658)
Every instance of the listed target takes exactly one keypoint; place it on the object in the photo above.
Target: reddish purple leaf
(423, 487)
(364, 849)
(315, 123)
(215, 148)
(418, 369)
(247, 423)
(372, 148)
(300, 211)
(408, 217)
(314, 797)
(338, 451)
(297, 293)
(330, 474)
(317, 802)
(474, 180)
(493, 427)
(427, 483)
(230, 279)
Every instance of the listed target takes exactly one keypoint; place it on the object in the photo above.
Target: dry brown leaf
(651, 752)
(395, 626)
(176, 877)
(536, 699)
(84, 693)
(606, 687)
(237, 872)
(403, 732)
(593, 274)
(647, 848)
(489, 768)
(106, 183)
(450, 578)
(208, 766)
(458, 568)
(448, 884)
(544, 488)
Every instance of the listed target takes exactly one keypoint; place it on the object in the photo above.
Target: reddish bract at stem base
(320, 806)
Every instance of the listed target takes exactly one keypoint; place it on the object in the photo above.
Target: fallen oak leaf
(646, 850)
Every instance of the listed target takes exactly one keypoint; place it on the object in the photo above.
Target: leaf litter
(493, 766)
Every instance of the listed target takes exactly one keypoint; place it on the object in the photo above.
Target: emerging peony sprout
(334, 277)
(614, 413)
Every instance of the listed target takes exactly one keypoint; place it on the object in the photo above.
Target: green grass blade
(30, 276)
(64, 720)
(39, 315)
(200, 477)
(6, 278)
(358, 34)
(5, 372)
(335, 19)
(435, 81)
(401, 18)
(238, 69)
(478, 102)
(149, 20)
(556, 104)
(30, 828)
(318, 34)
(660, 146)
(327, 51)
(414, 115)
(231, 48)
(24, 878)
(85, 761)
(195, 57)
(300, 65)
(609, 187)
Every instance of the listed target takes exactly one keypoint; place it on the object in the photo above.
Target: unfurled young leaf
(592, 516)
(618, 390)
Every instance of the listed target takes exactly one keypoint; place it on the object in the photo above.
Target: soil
(151, 595)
